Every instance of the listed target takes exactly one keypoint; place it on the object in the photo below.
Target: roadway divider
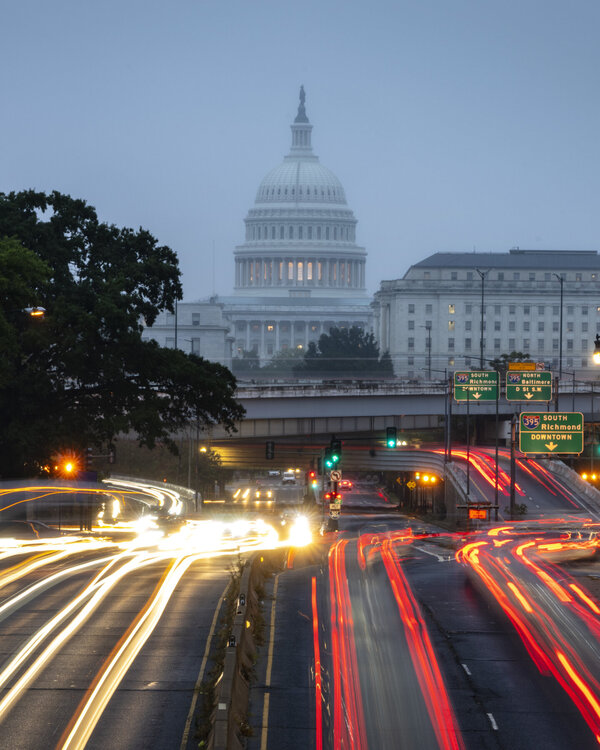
(572, 477)
(232, 691)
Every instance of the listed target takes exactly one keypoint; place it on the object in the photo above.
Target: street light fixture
(560, 341)
(482, 275)
(596, 354)
(35, 312)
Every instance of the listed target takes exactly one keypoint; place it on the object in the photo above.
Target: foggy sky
(452, 126)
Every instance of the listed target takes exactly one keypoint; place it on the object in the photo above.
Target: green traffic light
(391, 443)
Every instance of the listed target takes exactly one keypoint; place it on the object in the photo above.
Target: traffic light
(391, 437)
(328, 460)
(312, 478)
(336, 450)
(269, 449)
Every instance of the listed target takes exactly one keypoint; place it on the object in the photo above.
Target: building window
(451, 343)
(570, 345)
(195, 346)
(516, 275)
(326, 233)
(411, 342)
(467, 325)
(496, 343)
(497, 325)
(497, 309)
(526, 325)
(467, 343)
(290, 270)
(584, 311)
(468, 309)
(318, 233)
(570, 327)
(281, 232)
(555, 326)
(450, 325)
(511, 345)
(411, 325)
(578, 277)
(309, 271)
(300, 271)
(411, 361)
(467, 361)
(451, 361)
(526, 309)
(309, 230)
(451, 309)
(411, 308)
(584, 345)
(290, 233)
(428, 309)
(540, 345)
(320, 271)
(555, 344)
(584, 362)
(511, 309)
(500, 276)
(584, 327)
(570, 309)
(555, 309)
(453, 276)
(300, 230)
(531, 277)
(512, 326)
(526, 344)
(469, 275)
(195, 319)
(270, 327)
(540, 325)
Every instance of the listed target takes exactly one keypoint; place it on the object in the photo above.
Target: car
(274, 473)
(289, 477)
(345, 484)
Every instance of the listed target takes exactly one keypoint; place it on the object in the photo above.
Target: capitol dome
(300, 233)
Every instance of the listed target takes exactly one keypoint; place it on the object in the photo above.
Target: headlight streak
(561, 632)
(195, 541)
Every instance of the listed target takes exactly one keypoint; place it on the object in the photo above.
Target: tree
(248, 364)
(84, 374)
(282, 364)
(345, 352)
(501, 363)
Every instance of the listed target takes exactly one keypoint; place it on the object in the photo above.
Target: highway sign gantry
(551, 432)
(479, 385)
(528, 386)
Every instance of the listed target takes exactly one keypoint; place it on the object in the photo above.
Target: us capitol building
(298, 273)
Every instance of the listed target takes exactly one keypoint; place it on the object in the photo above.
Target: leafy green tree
(282, 364)
(501, 363)
(83, 374)
(247, 365)
(345, 352)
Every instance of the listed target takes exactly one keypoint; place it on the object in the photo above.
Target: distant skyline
(452, 126)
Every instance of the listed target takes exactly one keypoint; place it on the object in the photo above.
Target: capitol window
(291, 233)
(281, 233)
(318, 233)
(299, 233)
(309, 230)
(300, 270)
(327, 237)
(290, 270)
(309, 270)
(272, 233)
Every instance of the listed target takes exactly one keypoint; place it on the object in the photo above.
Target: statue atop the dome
(301, 116)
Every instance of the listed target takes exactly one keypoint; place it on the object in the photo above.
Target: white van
(289, 477)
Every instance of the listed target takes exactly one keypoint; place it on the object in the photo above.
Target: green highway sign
(476, 386)
(551, 432)
(528, 386)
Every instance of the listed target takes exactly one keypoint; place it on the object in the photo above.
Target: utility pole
(482, 275)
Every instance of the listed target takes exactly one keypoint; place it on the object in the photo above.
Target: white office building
(544, 303)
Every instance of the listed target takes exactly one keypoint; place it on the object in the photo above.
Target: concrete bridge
(344, 407)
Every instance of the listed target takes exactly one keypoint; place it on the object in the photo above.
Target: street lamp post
(560, 340)
(482, 275)
(428, 329)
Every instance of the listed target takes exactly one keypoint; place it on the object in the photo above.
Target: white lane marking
(467, 670)
(440, 557)
(493, 722)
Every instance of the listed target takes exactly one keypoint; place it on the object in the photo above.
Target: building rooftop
(516, 258)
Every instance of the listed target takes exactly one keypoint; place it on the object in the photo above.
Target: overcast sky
(453, 125)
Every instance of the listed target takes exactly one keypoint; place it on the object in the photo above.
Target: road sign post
(528, 386)
(481, 385)
(551, 432)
